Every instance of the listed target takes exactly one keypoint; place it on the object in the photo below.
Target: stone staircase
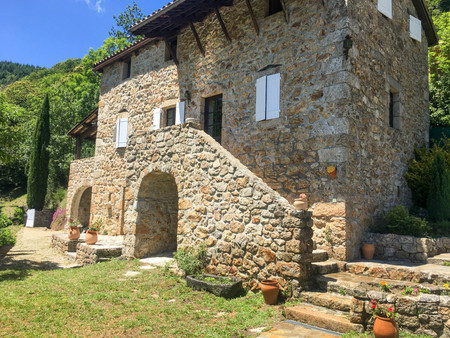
(341, 292)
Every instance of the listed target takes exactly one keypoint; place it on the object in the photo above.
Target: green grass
(100, 300)
(9, 203)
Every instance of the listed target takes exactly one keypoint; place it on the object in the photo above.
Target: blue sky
(45, 32)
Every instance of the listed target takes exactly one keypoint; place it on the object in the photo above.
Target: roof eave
(428, 26)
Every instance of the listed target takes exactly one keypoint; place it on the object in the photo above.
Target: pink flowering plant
(381, 311)
(409, 291)
(75, 224)
(303, 196)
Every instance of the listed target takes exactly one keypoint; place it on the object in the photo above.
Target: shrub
(59, 220)
(400, 222)
(56, 199)
(5, 221)
(19, 216)
(419, 174)
(191, 260)
(438, 204)
(6, 237)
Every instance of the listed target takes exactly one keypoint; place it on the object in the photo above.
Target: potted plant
(74, 230)
(91, 234)
(301, 203)
(384, 325)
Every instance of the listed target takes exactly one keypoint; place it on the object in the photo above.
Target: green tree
(38, 167)
(124, 21)
(438, 204)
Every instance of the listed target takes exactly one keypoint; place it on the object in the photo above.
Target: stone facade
(235, 195)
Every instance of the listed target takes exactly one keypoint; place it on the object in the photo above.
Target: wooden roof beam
(252, 14)
(222, 24)
(171, 51)
(199, 43)
(283, 5)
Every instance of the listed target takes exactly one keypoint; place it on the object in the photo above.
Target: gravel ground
(32, 251)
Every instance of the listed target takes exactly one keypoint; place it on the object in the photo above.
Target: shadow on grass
(19, 269)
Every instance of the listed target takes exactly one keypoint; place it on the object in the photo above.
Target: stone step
(439, 259)
(327, 300)
(400, 271)
(322, 268)
(321, 317)
(319, 255)
(72, 256)
(359, 286)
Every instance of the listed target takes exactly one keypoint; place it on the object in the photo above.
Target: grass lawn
(99, 300)
(10, 201)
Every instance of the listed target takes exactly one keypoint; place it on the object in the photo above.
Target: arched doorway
(81, 208)
(157, 219)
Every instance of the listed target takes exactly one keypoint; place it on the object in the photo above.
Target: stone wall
(248, 228)
(390, 246)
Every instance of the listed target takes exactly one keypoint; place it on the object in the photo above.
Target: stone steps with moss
(328, 266)
(327, 300)
(319, 255)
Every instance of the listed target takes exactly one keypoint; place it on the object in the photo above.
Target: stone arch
(157, 215)
(81, 205)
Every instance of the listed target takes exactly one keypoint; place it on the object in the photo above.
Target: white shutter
(261, 98)
(385, 7)
(30, 218)
(415, 28)
(273, 96)
(157, 119)
(122, 133)
(179, 113)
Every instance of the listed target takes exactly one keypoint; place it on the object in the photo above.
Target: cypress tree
(39, 158)
(438, 203)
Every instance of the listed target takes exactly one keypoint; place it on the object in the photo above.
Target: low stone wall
(43, 218)
(423, 314)
(91, 254)
(390, 246)
(61, 242)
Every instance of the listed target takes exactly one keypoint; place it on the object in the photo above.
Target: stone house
(210, 126)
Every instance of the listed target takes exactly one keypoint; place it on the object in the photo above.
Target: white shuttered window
(122, 133)
(157, 118)
(268, 97)
(179, 113)
(385, 7)
(415, 28)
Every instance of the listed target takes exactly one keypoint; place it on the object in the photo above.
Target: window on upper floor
(172, 44)
(122, 132)
(273, 6)
(126, 69)
(170, 116)
(268, 97)
(415, 28)
(385, 7)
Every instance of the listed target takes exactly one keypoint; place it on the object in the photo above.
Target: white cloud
(97, 5)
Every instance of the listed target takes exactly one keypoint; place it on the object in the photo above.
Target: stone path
(293, 329)
(32, 251)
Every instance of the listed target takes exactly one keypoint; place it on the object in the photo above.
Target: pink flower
(415, 290)
(390, 310)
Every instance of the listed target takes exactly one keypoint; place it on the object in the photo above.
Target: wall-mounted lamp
(348, 44)
(187, 95)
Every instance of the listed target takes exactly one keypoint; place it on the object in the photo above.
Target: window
(274, 6)
(268, 97)
(170, 117)
(126, 70)
(415, 28)
(172, 44)
(213, 117)
(121, 133)
(385, 7)
(394, 109)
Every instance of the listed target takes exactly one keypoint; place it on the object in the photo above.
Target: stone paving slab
(159, 260)
(294, 329)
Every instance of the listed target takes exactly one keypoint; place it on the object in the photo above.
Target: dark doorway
(213, 117)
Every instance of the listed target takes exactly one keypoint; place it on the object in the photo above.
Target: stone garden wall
(390, 246)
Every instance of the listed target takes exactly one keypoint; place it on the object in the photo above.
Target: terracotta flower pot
(300, 204)
(332, 171)
(74, 233)
(368, 249)
(91, 237)
(270, 289)
(384, 328)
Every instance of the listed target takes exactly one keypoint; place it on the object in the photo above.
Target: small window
(172, 44)
(122, 133)
(274, 6)
(126, 71)
(385, 7)
(268, 97)
(394, 109)
(415, 28)
(170, 117)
